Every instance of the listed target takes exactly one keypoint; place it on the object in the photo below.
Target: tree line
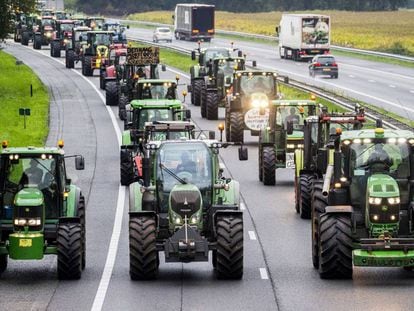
(133, 6)
(9, 9)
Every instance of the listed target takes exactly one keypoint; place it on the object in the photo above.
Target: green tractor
(217, 84)
(96, 51)
(75, 46)
(363, 215)
(317, 133)
(199, 71)
(27, 29)
(247, 105)
(139, 112)
(282, 137)
(41, 211)
(185, 208)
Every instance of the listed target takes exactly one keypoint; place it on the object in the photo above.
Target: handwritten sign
(143, 56)
(256, 121)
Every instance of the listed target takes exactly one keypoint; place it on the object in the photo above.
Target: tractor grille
(185, 202)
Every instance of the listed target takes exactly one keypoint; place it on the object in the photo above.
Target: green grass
(15, 83)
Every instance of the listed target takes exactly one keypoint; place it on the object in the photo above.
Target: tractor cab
(95, 23)
(169, 130)
(118, 30)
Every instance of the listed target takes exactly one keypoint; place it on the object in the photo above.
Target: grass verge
(15, 81)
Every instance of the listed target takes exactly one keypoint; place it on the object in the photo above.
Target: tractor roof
(32, 150)
(293, 102)
(156, 103)
(376, 133)
(170, 125)
(156, 81)
(82, 28)
(255, 73)
(65, 21)
(101, 32)
(211, 143)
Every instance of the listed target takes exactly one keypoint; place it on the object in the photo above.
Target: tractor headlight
(290, 146)
(27, 222)
(374, 201)
(375, 217)
(48, 34)
(20, 222)
(194, 219)
(393, 201)
(393, 217)
(177, 220)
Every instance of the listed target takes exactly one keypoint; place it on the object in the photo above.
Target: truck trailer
(301, 36)
(194, 22)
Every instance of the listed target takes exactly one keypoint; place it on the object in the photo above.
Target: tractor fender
(343, 209)
(135, 197)
(232, 196)
(110, 72)
(233, 213)
(126, 138)
(195, 72)
(145, 213)
(298, 158)
(72, 201)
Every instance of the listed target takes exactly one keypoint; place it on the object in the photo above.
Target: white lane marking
(242, 206)
(372, 81)
(412, 91)
(391, 85)
(252, 236)
(351, 76)
(378, 71)
(263, 274)
(116, 230)
(179, 73)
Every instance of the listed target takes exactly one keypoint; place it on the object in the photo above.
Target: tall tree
(9, 10)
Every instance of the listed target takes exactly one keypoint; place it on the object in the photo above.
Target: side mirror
(163, 67)
(243, 153)
(254, 63)
(211, 135)
(289, 127)
(277, 30)
(187, 114)
(173, 16)
(79, 163)
(228, 80)
(240, 54)
(193, 55)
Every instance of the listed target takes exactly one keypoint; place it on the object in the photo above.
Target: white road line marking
(412, 91)
(242, 206)
(351, 76)
(372, 81)
(179, 73)
(263, 274)
(391, 85)
(252, 236)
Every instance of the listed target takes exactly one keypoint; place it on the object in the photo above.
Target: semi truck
(194, 22)
(301, 36)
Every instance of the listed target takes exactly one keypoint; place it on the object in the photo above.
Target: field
(15, 83)
(391, 32)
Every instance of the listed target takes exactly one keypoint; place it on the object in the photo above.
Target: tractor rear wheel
(3, 263)
(111, 94)
(143, 254)
(260, 163)
(236, 127)
(82, 217)
(127, 168)
(212, 101)
(55, 49)
(318, 205)
(269, 166)
(69, 245)
(102, 76)
(37, 42)
(229, 247)
(203, 104)
(335, 246)
(197, 89)
(25, 38)
(70, 59)
(123, 101)
(305, 192)
(87, 66)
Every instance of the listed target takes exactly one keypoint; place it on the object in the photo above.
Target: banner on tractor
(143, 56)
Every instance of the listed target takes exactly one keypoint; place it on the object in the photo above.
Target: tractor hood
(382, 186)
(156, 103)
(29, 197)
(185, 199)
(296, 135)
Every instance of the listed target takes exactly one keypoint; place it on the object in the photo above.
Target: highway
(278, 271)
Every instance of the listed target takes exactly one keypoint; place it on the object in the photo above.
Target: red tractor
(117, 56)
(61, 37)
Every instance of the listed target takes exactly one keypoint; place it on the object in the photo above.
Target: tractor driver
(32, 175)
(293, 117)
(380, 156)
(186, 165)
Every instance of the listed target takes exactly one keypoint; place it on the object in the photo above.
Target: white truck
(301, 36)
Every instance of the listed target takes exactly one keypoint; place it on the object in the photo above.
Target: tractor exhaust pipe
(327, 180)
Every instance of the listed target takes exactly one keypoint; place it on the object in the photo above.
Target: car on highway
(323, 65)
(162, 34)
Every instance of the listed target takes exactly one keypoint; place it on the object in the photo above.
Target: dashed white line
(392, 85)
(252, 235)
(372, 81)
(242, 206)
(351, 76)
(412, 91)
(263, 274)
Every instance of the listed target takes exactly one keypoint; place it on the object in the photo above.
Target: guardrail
(340, 101)
(274, 38)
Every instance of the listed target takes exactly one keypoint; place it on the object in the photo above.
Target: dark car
(324, 65)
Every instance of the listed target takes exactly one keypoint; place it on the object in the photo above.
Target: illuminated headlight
(20, 222)
(374, 201)
(392, 140)
(343, 179)
(194, 219)
(256, 103)
(65, 41)
(216, 145)
(375, 217)
(393, 201)
(393, 217)
(290, 146)
(402, 140)
(411, 141)
(27, 222)
(48, 34)
(300, 146)
(177, 219)
(346, 142)
(34, 222)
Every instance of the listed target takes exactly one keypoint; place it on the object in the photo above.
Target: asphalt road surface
(278, 271)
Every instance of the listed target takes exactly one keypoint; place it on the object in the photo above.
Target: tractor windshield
(257, 83)
(102, 39)
(211, 54)
(190, 162)
(166, 90)
(296, 114)
(81, 35)
(227, 67)
(66, 27)
(47, 22)
(151, 115)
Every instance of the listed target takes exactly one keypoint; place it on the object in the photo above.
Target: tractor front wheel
(127, 168)
(55, 49)
(229, 247)
(82, 217)
(123, 101)
(111, 94)
(143, 254)
(25, 38)
(269, 166)
(318, 205)
(196, 90)
(203, 104)
(87, 66)
(335, 246)
(37, 42)
(305, 192)
(69, 245)
(70, 59)
(236, 127)
(3, 263)
(212, 101)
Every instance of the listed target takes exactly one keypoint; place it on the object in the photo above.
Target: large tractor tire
(37, 42)
(236, 127)
(143, 254)
(318, 205)
(196, 89)
(3, 263)
(123, 101)
(260, 163)
(87, 66)
(55, 49)
(335, 246)
(212, 101)
(229, 247)
(102, 76)
(269, 166)
(70, 59)
(25, 38)
(69, 245)
(111, 94)
(82, 217)
(203, 102)
(305, 192)
(127, 168)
